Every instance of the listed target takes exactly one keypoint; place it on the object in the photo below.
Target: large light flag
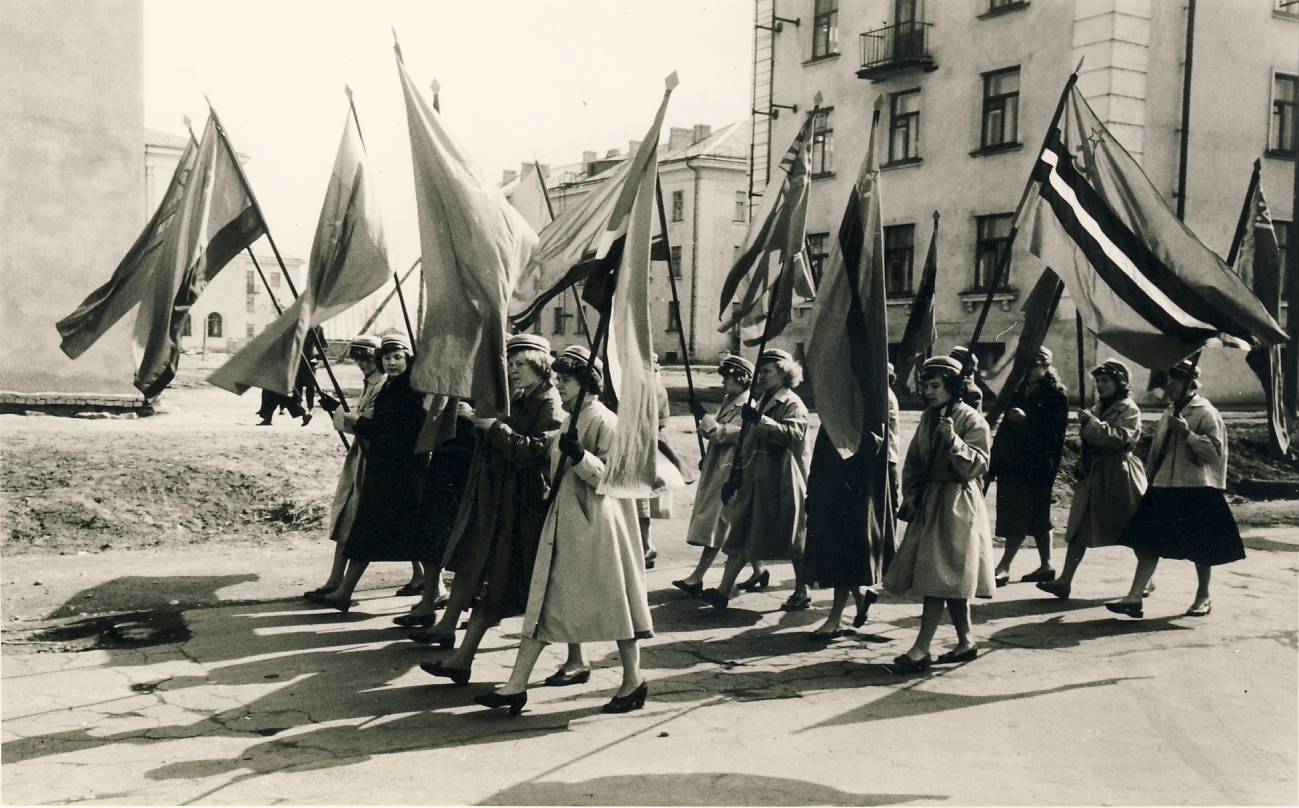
(473, 245)
(1140, 278)
(774, 259)
(349, 261)
(634, 467)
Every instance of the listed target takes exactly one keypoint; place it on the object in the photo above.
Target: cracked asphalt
(217, 685)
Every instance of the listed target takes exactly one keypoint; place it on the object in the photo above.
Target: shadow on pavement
(702, 788)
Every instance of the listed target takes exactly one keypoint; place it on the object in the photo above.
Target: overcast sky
(550, 78)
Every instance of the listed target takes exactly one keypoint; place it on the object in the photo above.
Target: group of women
(513, 504)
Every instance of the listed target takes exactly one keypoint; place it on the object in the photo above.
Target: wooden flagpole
(676, 302)
(384, 303)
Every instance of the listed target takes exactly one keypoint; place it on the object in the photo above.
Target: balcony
(904, 46)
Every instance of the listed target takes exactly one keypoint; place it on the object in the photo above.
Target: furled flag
(138, 269)
(634, 468)
(773, 259)
(1039, 313)
(1141, 279)
(921, 331)
(349, 261)
(1258, 262)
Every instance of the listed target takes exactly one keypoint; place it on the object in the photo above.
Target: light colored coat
(946, 551)
(707, 527)
(1195, 460)
(348, 490)
(1111, 485)
(768, 514)
(588, 584)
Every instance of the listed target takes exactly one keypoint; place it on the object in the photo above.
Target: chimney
(679, 138)
(702, 132)
(524, 168)
(545, 170)
(632, 147)
(612, 153)
(507, 176)
(588, 156)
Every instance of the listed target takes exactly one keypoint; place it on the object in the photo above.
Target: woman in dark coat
(1025, 460)
(388, 525)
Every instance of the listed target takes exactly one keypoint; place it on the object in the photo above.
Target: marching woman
(946, 554)
(1184, 513)
(1025, 459)
(364, 352)
(1111, 478)
(501, 513)
(707, 528)
(970, 392)
(388, 525)
(588, 584)
(767, 516)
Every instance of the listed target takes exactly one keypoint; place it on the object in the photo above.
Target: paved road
(211, 685)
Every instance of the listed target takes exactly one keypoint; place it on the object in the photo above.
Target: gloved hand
(571, 448)
(728, 490)
(697, 409)
(750, 415)
(328, 403)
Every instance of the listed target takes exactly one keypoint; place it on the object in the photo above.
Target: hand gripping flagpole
(676, 302)
(252, 198)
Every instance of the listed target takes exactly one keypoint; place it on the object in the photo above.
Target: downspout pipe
(694, 255)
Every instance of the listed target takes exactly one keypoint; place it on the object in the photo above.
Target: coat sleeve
(968, 452)
(1205, 438)
(1122, 432)
(725, 434)
(789, 429)
(590, 469)
(526, 448)
(914, 468)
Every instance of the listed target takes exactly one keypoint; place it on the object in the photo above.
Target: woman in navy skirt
(1184, 513)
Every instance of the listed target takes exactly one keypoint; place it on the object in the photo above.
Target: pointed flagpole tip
(396, 43)
(935, 217)
(818, 98)
(190, 124)
(671, 81)
(207, 101)
(879, 103)
(435, 86)
(348, 92)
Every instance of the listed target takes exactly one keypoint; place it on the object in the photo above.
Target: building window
(825, 28)
(904, 128)
(250, 329)
(676, 262)
(250, 283)
(1287, 8)
(1281, 138)
(561, 321)
(186, 327)
(1282, 231)
(1000, 109)
(275, 279)
(674, 318)
(741, 206)
(250, 303)
(989, 249)
(822, 144)
(899, 253)
(214, 325)
(678, 206)
(1004, 5)
(818, 246)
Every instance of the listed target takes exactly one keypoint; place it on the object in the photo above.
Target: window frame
(674, 266)
(982, 247)
(818, 252)
(999, 104)
(829, 46)
(822, 143)
(1276, 124)
(741, 213)
(678, 206)
(674, 318)
(908, 251)
(215, 319)
(559, 320)
(910, 122)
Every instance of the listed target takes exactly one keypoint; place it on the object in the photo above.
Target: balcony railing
(897, 47)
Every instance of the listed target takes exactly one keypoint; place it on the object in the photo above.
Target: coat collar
(782, 396)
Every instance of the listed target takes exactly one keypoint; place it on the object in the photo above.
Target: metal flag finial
(396, 44)
(435, 86)
(671, 81)
(347, 91)
(818, 98)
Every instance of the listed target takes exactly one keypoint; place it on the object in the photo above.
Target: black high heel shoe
(864, 603)
(693, 590)
(757, 582)
(514, 701)
(458, 675)
(442, 639)
(625, 704)
(715, 599)
(415, 620)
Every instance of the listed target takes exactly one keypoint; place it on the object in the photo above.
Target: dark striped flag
(1039, 313)
(1141, 279)
(921, 331)
(773, 254)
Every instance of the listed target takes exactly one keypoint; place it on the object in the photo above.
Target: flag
(349, 261)
(473, 245)
(1039, 312)
(633, 467)
(134, 274)
(527, 193)
(1141, 279)
(921, 331)
(773, 258)
(1258, 262)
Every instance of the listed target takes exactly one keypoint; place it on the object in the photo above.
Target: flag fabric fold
(774, 255)
(921, 331)
(1258, 263)
(1141, 279)
(131, 281)
(634, 467)
(473, 245)
(349, 261)
(1039, 312)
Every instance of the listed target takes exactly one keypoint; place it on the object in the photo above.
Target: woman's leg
(1073, 556)
(524, 662)
(800, 585)
(336, 569)
(463, 657)
(355, 569)
(416, 574)
(1145, 570)
(706, 558)
(959, 609)
(429, 592)
(1202, 573)
(734, 563)
(1043, 550)
(929, 617)
(1013, 543)
(462, 594)
(629, 654)
(576, 660)
(834, 620)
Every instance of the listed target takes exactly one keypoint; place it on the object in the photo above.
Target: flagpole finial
(435, 86)
(347, 91)
(1082, 59)
(207, 101)
(188, 123)
(935, 217)
(818, 98)
(396, 44)
(671, 81)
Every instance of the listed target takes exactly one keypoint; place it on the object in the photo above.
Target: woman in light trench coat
(946, 553)
(588, 583)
